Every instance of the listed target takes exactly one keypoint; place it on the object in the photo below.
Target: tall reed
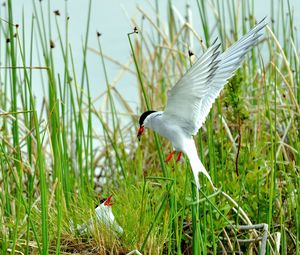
(53, 148)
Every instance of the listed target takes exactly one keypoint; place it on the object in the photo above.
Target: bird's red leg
(170, 156)
(179, 156)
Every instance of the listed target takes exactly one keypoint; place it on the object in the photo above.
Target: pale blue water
(113, 20)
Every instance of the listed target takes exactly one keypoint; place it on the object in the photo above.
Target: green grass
(49, 154)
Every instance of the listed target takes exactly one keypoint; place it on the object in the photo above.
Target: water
(114, 20)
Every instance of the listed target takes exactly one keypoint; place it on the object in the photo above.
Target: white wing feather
(191, 99)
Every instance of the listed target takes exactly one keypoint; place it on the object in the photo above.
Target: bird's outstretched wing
(190, 100)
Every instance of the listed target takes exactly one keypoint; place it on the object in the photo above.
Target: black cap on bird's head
(141, 122)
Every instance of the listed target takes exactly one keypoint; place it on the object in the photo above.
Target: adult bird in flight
(191, 99)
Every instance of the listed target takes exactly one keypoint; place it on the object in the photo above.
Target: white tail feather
(197, 166)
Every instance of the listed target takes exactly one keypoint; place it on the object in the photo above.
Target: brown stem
(238, 150)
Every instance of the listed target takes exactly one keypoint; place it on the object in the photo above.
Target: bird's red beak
(140, 132)
(107, 202)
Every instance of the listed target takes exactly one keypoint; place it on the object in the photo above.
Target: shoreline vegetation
(59, 159)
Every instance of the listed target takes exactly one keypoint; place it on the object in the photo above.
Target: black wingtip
(214, 41)
(263, 22)
(263, 19)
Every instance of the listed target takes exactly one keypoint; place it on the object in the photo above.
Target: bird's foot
(179, 156)
(170, 156)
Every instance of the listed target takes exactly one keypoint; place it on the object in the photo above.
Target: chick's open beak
(140, 132)
(107, 202)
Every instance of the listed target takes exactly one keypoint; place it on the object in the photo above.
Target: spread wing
(190, 100)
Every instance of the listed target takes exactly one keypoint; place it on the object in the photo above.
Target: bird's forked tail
(197, 166)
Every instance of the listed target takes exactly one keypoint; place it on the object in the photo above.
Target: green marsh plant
(53, 147)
